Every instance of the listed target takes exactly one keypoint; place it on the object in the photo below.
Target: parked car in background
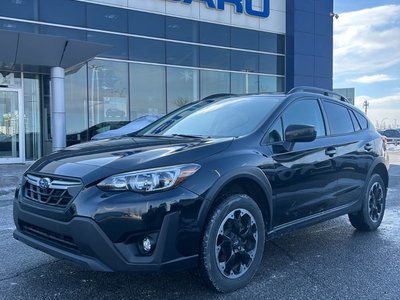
(392, 136)
(129, 128)
(206, 186)
(87, 134)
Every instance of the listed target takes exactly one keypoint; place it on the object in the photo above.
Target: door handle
(330, 151)
(368, 147)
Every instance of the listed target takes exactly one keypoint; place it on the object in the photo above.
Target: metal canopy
(20, 51)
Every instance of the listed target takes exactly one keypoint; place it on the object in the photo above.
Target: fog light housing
(146, 245)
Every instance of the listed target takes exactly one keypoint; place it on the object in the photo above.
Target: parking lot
(327, 261)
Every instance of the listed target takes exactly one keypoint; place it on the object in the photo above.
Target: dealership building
(71, 68)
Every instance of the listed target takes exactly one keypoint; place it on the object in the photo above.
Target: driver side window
(305, 112)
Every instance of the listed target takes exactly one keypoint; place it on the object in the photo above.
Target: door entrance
(12, 131)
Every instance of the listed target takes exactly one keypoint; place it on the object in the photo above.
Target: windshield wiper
(190, 136)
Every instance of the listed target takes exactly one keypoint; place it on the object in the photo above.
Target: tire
(233, 244)
(373, 207)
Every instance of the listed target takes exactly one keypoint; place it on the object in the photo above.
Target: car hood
(96, 160)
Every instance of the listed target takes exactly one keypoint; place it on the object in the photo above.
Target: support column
(58, 129)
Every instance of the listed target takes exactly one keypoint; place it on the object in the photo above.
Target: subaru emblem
(44, 183)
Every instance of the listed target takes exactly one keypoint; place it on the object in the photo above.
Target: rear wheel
(370, 216)
(233, 244)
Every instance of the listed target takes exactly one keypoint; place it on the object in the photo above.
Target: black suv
(206, 186)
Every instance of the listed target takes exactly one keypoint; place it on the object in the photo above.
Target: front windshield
(215, 118)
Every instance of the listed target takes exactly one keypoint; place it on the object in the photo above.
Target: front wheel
(370, 216)
(233, 244)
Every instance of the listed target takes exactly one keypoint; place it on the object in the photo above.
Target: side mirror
(300, 133)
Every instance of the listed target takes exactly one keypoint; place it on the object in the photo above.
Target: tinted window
(147, 90)
(142, 23)
(214, 58)
(271, 42)
(272, 64)
(275, 134)
(214, 82)
(64, 32)
(214, 34)
(338, 118)
(304, 112)
(147, 50)
(182, 54)
(118, 43)
(244, 61)
(107, 17)
(357, 126)
(24, 9)
(182, 29)
(18, 26)
(63, 12)
(362, 120)
(244, 38)
(271, 84)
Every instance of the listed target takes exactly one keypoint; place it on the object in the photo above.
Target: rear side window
(339, 119)
(357, 126)
(305, 112)
(362, 120)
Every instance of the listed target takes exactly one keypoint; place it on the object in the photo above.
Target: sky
(366, 56)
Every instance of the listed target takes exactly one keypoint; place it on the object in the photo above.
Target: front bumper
(81, 240)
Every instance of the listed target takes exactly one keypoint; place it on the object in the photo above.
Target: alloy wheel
(236, 243)
(375, 202)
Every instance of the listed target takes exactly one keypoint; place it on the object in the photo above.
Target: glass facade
(157, 63)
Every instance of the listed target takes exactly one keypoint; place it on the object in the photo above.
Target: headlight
(149, 180)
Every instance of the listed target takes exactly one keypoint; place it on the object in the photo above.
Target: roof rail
(319, 91)
(218, 96)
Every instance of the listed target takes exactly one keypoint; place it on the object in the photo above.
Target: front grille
(45, 234)
(59, 192)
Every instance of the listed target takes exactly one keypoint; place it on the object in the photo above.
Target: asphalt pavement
(331, 260)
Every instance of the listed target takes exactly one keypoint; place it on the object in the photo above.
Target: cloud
(373, 78)
(367, 41)
(391, 101)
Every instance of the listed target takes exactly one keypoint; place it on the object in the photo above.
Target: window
(147, 50)
(357, 126)
(272, 64)
(214, 34)
(275, 134)
(244, 38)
(339, 119)
(362, 120)
(214, 82)
(182, 54)
(271, 42)
(270, 84)
(119, 44)
(108, 91)
(24, 9)
(64, 32)
(63, 12)
(182, 87)
(107, 18)
(182, 29)
(76, 106)
(214, 58)
(244, 83)
(148, 92)
(244, 61)
(142, 23)
(305, 112)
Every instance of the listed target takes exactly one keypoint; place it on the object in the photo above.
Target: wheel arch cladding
(253, 183)
(382, 171)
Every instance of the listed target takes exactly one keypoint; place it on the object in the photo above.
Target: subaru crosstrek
(206, 185)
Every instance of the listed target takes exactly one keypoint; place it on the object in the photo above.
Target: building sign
(240, 6)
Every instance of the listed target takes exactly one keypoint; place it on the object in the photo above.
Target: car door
(352, 151)
(303, 179)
